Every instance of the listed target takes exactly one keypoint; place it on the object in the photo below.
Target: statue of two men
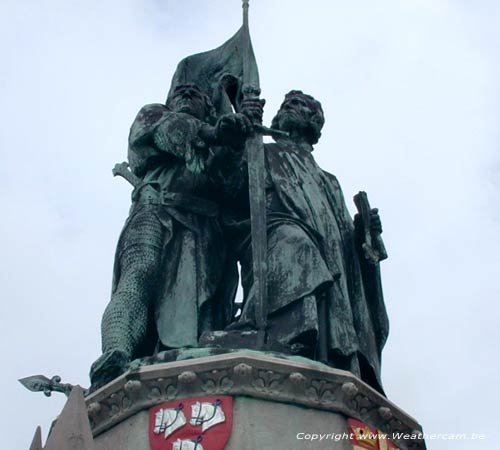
(175, 273)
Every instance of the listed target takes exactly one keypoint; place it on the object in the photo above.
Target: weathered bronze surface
(323, 298)
(208, 194)
(40, 383)
(173, 275)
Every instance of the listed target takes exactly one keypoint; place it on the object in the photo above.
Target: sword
(266, 131)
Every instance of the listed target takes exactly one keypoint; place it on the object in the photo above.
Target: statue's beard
(290, 121)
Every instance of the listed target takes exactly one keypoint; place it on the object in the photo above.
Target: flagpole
(254, 148)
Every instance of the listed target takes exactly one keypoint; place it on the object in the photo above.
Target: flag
(220, 72)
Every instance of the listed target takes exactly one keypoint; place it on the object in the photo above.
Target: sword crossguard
(120, 168)
(265, 131)
(123, 170)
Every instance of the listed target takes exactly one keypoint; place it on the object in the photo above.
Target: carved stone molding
(248, 374)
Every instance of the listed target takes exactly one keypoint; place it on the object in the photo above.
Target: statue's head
(190, 99)
(302, 115)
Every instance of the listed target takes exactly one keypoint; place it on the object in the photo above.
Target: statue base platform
(276, 403)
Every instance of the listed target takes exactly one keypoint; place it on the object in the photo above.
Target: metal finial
(246, 5)
(40, 383)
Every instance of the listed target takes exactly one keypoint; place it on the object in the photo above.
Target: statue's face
(294, 114)
(189, 100)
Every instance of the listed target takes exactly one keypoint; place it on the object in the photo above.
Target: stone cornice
(254, 375)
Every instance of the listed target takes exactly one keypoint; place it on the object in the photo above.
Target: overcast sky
(411, 93)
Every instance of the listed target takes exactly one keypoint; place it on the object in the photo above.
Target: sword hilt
(123, 170)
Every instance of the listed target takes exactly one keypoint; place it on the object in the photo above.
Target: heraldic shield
(199, 423)
(364, 437)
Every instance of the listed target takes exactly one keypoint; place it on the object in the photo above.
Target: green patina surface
(208, 195)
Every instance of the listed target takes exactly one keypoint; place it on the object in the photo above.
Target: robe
(313, 249)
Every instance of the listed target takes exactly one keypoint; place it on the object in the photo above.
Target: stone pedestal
(278, 403)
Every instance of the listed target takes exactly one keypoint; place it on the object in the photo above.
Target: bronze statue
(207, 191)
(323, 297)
(172, 278)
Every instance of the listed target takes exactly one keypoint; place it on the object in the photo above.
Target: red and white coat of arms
(364, 437)
(202, 423)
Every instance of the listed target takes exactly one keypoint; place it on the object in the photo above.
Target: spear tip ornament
(40, 383)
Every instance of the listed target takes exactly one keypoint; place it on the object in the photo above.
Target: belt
(150, 196)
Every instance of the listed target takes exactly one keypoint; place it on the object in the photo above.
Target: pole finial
(246, 5)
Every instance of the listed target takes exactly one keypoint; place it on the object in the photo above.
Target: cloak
(312, 246)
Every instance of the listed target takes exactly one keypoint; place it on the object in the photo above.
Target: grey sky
(411, 93)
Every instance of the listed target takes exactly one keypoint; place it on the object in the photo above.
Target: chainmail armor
(126, 318)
